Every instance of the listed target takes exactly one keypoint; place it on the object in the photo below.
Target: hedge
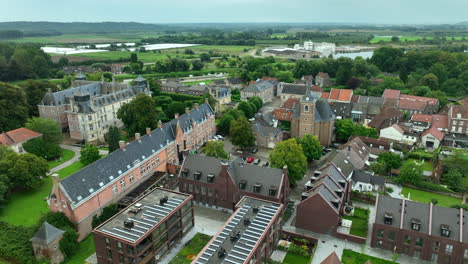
(177, 74)
(180, 97)
(421, 155)
(15, 245)
(431, 186)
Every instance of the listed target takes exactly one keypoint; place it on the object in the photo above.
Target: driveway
(69, 162)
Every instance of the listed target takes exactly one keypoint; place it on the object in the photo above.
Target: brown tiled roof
(421, 118)
(435, 132)
(283, 114)
(428, 100)
(325, 95)
(17, 136)
(391, 94)
(406, 103)
(375, 142)
(323, 74)
(461, 109)
(331, 259)
(290, 103)
(440, 121)
(385, 114)
(355, 98)
(316, 88)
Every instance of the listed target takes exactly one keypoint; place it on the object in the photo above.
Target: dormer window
(242, 184)
(388, 218)
(415, 224)
(197, 175)
(257, 187)
(445, 230)
(336, 203)
(272, 191)
(210, 178)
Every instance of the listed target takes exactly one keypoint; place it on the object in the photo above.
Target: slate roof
(46, 234)
(450, 217)
(365, 177)
(238, 171)
(356, 151)
(341, 109)
(290, 88)
(383, 118)
(17, 136)
(341, 163)
(89, 180)
(258, 87)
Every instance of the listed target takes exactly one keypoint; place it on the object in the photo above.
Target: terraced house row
(84, 193)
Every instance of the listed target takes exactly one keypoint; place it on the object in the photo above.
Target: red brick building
(83, 194)
(218, 183)
(146, 230)
(250, 235)
(425, 231)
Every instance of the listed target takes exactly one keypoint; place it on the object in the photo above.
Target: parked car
(257, 161)
(255, 150)
(215, 138)
(266, 164)
(250, 160)
(220, 137)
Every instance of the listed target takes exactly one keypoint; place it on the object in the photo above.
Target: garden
(191, 250)
(360, 222)
(299, 251)
(65, 156)
(353, 257)
(428, 197)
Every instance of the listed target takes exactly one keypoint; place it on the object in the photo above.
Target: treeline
(16, 34)
(230, 38)
(24, 61)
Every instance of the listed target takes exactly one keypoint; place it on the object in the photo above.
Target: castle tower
(307, 113)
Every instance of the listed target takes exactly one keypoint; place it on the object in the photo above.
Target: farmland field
(83, 38)
(376, 39)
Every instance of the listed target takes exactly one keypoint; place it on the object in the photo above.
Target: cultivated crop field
(88, 39)
(377, 39)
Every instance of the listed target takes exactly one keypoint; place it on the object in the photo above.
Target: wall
(325, 219)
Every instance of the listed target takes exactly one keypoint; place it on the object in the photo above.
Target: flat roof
(145, 214)
(238, 238)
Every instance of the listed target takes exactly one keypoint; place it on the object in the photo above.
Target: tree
(133, 57)
(311, 147)
(411, 173)
(289, 153)
(46, 146)
(395, 39)
(257, 101)
(107, 213)
(241, 133)
(379, 167)
(391, 161)
(344, 129)
(456, 162)
(205, 57)
(215, 149)
(113, 138)
(343, 75)
(13, 107)
(387, 58)
(430, 80)
(440, 71)
(197, 65)
(211, 100)
(22, 171)
(224, 124)
(173, 108)
(246, 108)
(139, 114)
(35, 91)
(89, 154)
(69, 243)
(453, 179)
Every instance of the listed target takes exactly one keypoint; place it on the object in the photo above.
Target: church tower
(307, 114)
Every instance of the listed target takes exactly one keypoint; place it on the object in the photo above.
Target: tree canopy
(289, 153)
(311, 147)
(89, 154)
(215, 149)
(139, 114)
(241, 133)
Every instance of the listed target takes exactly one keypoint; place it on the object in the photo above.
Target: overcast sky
(194, 11)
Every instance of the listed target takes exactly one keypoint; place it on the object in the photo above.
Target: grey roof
(342, 163)
(421, 211)
(140, 79)
(89, 180)
(238, 171)
(309, 96)
(323, 111)
(341, 109)
(266, 130)
(258, 87)
(290, 88)
(234, 80)
(365, 177)
(46, 234)
(80, 75)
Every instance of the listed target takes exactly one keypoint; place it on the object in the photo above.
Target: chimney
(137, 136)
(160, 124)
(196, 104)
(122, 144)
(187, 110)
(148, 131)
(206, 100)
(55, 179)
(176, 116)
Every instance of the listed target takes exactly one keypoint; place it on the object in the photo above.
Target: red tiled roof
(461, 109)
(331, 259)
(430, 101)
(343, 95)
(325, 95)
(17, 136)
(290, 103)
(406, 103)
(265, 78)
(421, 118)
(440, 121)
(316, 88)
(355, 98)
(389, 93)
(282, 114)
(334, 94)
(435, 132)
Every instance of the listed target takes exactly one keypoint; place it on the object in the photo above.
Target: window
(152, 163)
(466, 254)
(114, 190)
(381, 233)
(391, 236)
(107, 242)
(388, 218)
(445, 230)
(190, 187)
(91, 127)
(419, 242)
(436, 246)
(121, 259)
(448, 249)
(210, 178)
(130, 178)
(415, 224)
(119, 246)
(242, 184)
(122, 184)
(306, 108)
(257, 187)
(109, 254)
(90, 118)
(272, 191)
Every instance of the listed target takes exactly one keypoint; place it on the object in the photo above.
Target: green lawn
(426, 197)
(292, 258)
(85, 250)
(26, 208)
(376, 39)
(142, 56)
(426, 165)
(205, 81)
(65, 156)
(360, 220)
(197, 243)
(353, 257)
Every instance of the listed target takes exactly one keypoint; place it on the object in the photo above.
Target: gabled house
(338, 95)
(388, 116)
(357, 152)
(323, 80)
(222, 183)
(266, 130)
(15, 139)
(363, 181)
(46, 243)
(262, 89)
(341, 110)
(420, 122)
(366, 108)
(458, 118)
(376, 145)
(400, 133)
(410, 103)
(432, 138)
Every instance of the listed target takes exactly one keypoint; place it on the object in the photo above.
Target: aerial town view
(234, 132)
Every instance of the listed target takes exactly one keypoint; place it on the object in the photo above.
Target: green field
(426, 165)
(86, 249)
(360, 220)
(353, 257)
(65, 156)
(377, 39)
(26, 208)
(197, 243)
(84, 38)
(426, 197)
(292, 258)
(205, 82)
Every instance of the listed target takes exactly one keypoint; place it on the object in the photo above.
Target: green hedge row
(431, 186)
(177, 74)
(181, 97)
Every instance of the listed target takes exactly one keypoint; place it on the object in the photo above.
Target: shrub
(69, 243)
(420, 155)
(180, 97)
(431, 186)
(389, 189)
(15, 245)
